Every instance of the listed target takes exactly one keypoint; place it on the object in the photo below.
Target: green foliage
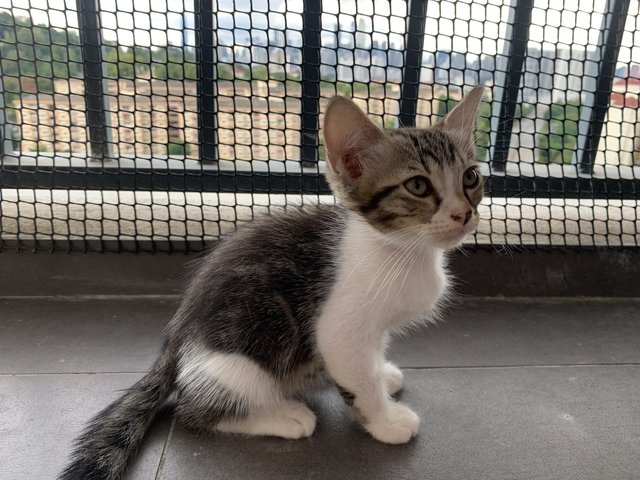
(390, 122)
(322, 151)
(557, 137)
(190, 71)
(29, 50)
(178, 149)
(48, 53)
(225, 71)
(261, 72)
(42, 147)
(347, 89)
(344, 89)
(525, 110)
(159, 71)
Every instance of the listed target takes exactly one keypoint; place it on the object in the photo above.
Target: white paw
(392, 377)
(300, 419)
(291, 420)
(395, 425)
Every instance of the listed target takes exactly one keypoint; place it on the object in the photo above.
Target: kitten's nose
(462, 217)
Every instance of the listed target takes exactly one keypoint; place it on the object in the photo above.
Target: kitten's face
(408, 182)
(425, 181)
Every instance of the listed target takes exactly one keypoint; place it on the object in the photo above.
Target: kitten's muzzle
(462, 217)
(465, 224)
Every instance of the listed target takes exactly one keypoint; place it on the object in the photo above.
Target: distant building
(144, 116)
(626, 92)
(621, 134)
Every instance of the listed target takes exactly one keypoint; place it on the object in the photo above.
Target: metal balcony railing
(226, 97)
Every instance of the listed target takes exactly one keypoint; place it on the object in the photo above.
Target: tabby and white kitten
(311, 294)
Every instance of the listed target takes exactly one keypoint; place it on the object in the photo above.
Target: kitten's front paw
(393, 378)
(396, 425)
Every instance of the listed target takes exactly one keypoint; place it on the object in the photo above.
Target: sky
(463, 25)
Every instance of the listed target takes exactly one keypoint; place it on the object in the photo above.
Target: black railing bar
(500, 76)
(587, 100)
(91, 44)
(311, 44)
(513, 77)
(6, 145)
(414, 48)
(611, 40)
(206, 81)
(498, 186)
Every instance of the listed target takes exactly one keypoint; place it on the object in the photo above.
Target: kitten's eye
(419, 186)
(471, 178)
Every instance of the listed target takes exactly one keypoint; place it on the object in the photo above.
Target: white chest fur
(389, 284)
(381, 288)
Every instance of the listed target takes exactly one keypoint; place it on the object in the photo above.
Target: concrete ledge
(549, 272)
(594, 272)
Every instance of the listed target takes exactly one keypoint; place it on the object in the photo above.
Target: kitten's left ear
(461, 121)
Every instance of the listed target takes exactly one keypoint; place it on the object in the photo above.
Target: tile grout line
(549, 298)
(495, 367)
(81, 297)
(463, 299)
(164, 449)
(410, 367)
(54, 374)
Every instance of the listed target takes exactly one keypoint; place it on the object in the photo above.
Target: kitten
(311, 293)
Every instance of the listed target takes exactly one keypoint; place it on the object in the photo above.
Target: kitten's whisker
(398, 256)
(417, 250)
(376, 250)
(353, 270)
(394, 254)
(404, 265)
(397, 265)
(406, 233)
(382, 269)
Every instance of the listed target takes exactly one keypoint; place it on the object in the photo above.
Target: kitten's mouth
(453, 237)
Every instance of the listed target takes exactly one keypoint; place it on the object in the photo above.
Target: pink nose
(462, 217)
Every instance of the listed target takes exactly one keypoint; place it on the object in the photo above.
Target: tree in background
(557, 133)
(34, 56)
(46, 54)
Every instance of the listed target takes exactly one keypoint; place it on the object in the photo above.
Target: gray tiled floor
(507, 389)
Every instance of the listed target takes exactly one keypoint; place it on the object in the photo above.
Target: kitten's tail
(113, 436)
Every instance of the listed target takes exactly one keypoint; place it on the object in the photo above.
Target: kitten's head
(409, 179)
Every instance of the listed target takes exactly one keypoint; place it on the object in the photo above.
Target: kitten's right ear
(347, 133)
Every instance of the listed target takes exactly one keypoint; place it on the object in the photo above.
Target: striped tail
(114, 435)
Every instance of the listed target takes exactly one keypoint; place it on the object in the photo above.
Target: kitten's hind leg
(229, 392)
(291, 419)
